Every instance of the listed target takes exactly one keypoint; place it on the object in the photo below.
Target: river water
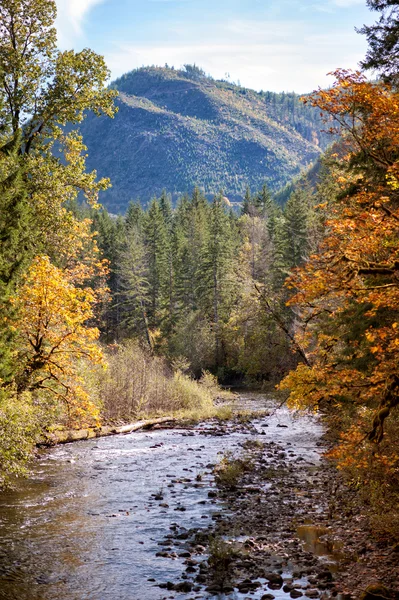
(86, 524)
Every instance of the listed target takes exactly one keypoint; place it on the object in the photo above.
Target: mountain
(179, 128)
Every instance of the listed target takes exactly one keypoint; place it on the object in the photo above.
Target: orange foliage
(348, 293)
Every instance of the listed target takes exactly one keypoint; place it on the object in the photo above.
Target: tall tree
(383, 39)
(134, 294)
(157, 249)
(49, 262)
(295, 228)
(16, 248)
(217, 266)
(348, 291)
(42, 89)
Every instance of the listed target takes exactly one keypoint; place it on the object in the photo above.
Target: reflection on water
(317, 540)
(86, 526)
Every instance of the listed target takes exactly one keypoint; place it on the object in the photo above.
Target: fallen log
(73, 435)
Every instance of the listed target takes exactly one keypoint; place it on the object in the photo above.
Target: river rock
(184, 586)
(167, 586)
(213, 589)
(191, 570)
(375, 591)
(274, 578)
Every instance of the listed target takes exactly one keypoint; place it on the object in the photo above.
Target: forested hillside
(180, 129)
(109, 319)
(203, 284)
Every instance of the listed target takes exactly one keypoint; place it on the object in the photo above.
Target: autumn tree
(42, 171)
(54, 338)
(348, 291)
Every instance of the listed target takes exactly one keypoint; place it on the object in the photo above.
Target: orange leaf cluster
(348, 293)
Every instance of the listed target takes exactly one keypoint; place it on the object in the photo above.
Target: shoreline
(292, 515)
(75, 435)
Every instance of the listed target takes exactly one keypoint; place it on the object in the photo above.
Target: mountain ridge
(177, 129)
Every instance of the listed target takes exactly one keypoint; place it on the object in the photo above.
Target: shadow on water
(87, 524)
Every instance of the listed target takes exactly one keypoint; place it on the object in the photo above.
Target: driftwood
(74, 435)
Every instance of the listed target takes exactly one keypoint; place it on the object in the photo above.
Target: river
(89, 521)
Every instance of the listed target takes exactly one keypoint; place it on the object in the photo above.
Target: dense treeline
(202, 284)
(307, 292)
(52, 276)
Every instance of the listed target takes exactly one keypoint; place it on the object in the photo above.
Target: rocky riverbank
(240, 508)
(281, 528)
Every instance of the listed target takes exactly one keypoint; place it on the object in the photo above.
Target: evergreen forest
(292, 288)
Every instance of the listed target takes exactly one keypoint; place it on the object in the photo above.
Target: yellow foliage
(53, 338)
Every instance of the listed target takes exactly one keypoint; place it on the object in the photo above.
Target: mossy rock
(376, 591)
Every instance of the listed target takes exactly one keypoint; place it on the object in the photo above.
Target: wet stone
(274, 578)
(312, 593)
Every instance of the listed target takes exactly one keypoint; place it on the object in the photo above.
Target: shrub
(221, 554)
(19, 428)
(230, 470)
(139, 384)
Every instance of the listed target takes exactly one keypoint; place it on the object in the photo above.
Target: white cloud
(70, 19)
(348, 3)
(269, 55)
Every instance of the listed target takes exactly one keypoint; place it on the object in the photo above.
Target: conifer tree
(295, 229)
(157, 250)
(165, 205)
(134, 294)
(217, 272)
(264, 201)
(247, 205)
(181, 256)
(383, 39)
(110, 235)
(16, 248)
(134, 215)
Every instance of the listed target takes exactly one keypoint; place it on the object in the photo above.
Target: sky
(273, 45)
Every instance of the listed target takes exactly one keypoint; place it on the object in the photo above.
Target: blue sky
(276, 45)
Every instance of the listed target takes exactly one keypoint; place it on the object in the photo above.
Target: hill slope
(178, 129)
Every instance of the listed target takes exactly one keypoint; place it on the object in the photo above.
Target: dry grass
(138, 384)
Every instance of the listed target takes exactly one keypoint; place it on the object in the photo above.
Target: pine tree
(383, 40)
(296, 216)
(165, 205)
(134, 294)
(263, 201)
(217, 280)
(247, 205)
(110, 238)
(16, 247)
(157, 250)
(134, 215)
